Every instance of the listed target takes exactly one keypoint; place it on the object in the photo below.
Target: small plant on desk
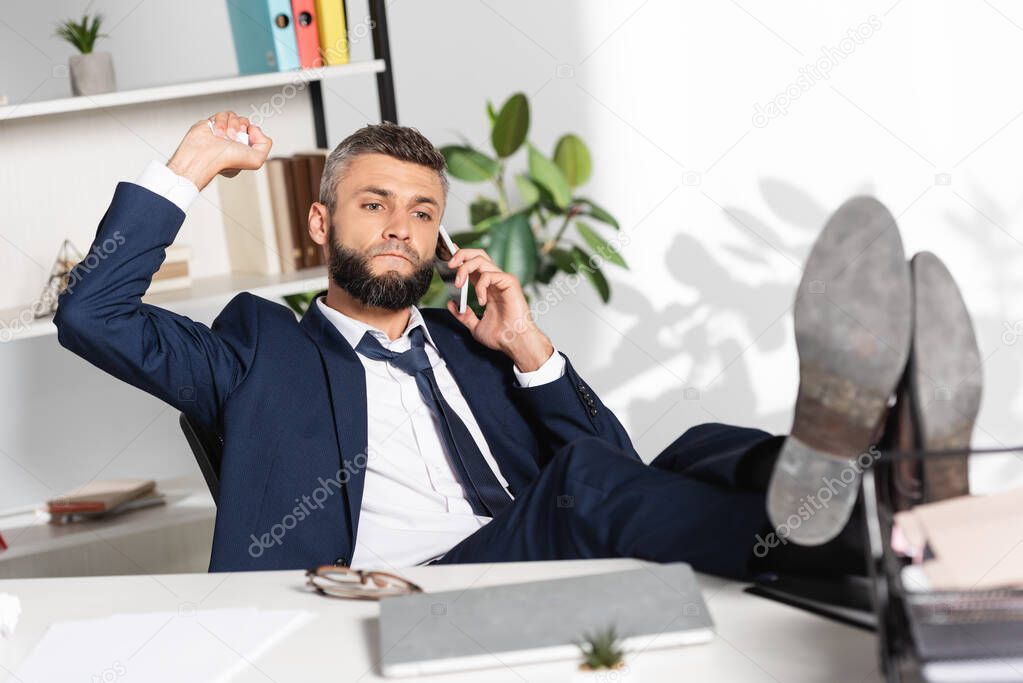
(602, 652)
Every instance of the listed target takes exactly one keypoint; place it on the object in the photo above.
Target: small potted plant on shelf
(92, 72)
(603, 659)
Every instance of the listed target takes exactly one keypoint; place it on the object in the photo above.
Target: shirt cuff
(553, 368)
(159, 179)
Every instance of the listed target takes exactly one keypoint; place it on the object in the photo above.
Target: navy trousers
(593, 501)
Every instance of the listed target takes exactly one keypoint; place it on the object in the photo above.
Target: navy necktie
(484, 492)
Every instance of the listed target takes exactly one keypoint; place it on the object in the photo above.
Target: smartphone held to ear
(451, 248)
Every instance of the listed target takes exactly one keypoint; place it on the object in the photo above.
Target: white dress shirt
(413, 507)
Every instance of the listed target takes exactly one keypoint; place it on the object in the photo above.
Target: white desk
(757, 640)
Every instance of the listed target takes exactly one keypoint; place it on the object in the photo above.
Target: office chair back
(208, 448)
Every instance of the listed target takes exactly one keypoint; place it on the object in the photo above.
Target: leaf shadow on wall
(722, 328)
(998, 327)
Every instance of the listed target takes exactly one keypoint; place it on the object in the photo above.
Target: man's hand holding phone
(507, 323)
(210, 148)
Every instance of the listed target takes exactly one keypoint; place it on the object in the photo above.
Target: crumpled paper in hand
(10, 610)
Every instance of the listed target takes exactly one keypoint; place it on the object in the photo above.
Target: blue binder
(264, 35)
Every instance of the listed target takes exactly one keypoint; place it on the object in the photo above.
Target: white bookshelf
(206, 292)
(182, 90)
(60, 161)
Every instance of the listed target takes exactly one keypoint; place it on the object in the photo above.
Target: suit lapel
(347, 379)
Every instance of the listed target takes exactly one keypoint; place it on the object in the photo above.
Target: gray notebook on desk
(651, 607)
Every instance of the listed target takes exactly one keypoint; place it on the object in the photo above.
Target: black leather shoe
(939, 396)
(945, 377)
(905, 488)
(853, 324)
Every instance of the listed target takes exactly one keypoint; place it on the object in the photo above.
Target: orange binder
(306, 33)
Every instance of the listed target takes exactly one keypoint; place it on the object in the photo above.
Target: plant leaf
(563, 260)
(573, 158)
(592, 273)
(513, 247)
(488, 223)
(511, 125)
(547, 200)
(300, 301)
(481, 209)
(528, 191)
(546, 173)
(596, 212)
(471, 238)
(546, 272)
(491, 114)
(599, 245)
(465, 163)
(474, 303)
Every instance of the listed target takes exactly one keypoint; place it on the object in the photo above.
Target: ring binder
(907, 629)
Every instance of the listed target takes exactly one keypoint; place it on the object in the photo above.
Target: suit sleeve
(567, 409)
(101, 317)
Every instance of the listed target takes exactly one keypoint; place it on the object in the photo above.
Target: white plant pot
(625, 674)
(91, 73)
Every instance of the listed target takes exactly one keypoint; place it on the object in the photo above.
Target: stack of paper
(199, 645)
(968, 543)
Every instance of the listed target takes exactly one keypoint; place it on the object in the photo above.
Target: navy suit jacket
(289, 397)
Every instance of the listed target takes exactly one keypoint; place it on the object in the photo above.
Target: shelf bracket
(382, 50)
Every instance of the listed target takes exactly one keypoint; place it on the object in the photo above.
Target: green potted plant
(546, 228)
(603, 658)
(91, 72)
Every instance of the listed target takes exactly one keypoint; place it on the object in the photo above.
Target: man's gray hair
(400, 142)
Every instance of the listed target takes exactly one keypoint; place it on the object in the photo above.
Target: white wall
(722, 211)
(719, 211)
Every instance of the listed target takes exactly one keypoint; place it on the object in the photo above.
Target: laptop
(477, 628)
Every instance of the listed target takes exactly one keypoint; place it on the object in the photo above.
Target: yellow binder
(330, 19)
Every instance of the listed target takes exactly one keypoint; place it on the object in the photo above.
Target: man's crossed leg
(691, 504)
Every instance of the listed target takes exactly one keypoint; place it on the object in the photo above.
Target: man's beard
(351, 271)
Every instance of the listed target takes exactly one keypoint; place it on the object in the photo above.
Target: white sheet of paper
(158, 647)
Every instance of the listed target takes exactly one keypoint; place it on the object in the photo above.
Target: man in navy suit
(376, 434)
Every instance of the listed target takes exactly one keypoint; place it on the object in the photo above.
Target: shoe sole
(945, 375)
(853, 321)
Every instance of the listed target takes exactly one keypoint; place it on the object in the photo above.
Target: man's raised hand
(205, 152)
